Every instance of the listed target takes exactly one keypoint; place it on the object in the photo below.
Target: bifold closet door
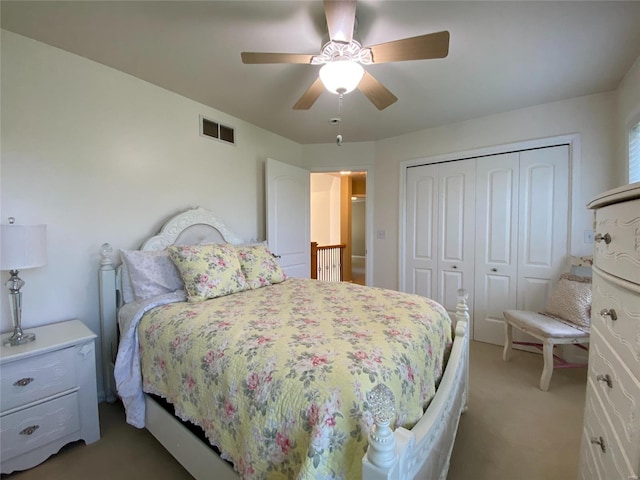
(440, 219)
(522, 204)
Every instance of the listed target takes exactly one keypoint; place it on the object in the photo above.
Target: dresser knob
(29, 430)
(606, 378)
(609, 312)
(23, 382)
(494, 269)
(606, 237)
(454, 266)
(599, 441)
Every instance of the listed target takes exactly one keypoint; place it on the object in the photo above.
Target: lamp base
(19, 339)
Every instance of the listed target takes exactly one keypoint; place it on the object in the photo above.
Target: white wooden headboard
(192, 227)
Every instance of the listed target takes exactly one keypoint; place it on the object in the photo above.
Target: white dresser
(48, 394)
(610, 448)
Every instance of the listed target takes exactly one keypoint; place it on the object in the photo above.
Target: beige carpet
(512, 431)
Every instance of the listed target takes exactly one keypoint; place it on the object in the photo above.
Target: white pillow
(152, 273)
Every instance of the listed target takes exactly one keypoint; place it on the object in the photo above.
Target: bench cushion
(542, 325)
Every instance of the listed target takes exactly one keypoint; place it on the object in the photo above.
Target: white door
(421, 258)
(439, 230)
(288, 216)
(496, 272)
(543, 223)
(522, 234)
(456, 231)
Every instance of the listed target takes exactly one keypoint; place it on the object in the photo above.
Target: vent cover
(213, 129)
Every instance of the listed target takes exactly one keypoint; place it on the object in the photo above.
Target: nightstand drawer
(35, 378)
(39, 425)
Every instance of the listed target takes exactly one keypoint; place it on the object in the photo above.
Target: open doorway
(338, 219)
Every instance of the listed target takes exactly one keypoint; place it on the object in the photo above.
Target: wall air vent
(213, 129)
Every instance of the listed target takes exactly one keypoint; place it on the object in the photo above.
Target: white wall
(101, 156)
(628, 112)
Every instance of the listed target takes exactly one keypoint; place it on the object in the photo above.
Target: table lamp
(22, 246)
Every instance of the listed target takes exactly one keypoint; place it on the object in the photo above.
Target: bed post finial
(106, 250)
(382, 444)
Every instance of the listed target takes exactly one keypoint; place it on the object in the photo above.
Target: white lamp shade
(23, 246)
(341, 76)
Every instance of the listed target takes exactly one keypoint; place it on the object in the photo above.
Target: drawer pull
(494, 269)
(599, 441)
(606, 237)
(29, 430)
(23, 382)
(609, 312)
(606, 378)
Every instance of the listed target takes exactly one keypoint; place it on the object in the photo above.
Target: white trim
(575, 156)
(368, 210)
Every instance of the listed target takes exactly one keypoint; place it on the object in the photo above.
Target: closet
(496, 225)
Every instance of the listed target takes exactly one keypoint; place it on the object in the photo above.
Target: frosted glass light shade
(23, 246)
(341, 76)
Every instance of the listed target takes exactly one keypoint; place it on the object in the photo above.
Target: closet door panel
(497, 242)
(421, 222)
(456, 210)
(543, 223)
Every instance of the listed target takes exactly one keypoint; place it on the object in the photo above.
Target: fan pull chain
(339, 137)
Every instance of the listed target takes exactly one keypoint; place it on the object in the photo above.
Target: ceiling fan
(342, 57)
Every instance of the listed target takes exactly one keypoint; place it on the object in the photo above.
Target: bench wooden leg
(547, 371)
(508, 341)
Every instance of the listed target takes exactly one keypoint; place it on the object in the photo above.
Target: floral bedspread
(277, 377)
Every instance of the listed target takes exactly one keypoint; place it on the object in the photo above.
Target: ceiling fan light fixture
(341, 76)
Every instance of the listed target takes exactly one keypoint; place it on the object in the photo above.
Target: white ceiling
(503, 55)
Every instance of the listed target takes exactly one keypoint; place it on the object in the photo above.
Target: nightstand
(48, 394)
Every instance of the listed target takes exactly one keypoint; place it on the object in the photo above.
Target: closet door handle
(600, 237)
(609, 312)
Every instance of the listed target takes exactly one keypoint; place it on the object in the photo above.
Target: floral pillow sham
(208, 271)
(259, 266)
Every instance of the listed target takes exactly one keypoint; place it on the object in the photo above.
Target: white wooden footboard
(425, 450)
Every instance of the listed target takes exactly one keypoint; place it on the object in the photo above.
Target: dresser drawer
(39, 425)
(606, 457)
(36, 378)
(621, 256)
(623, 334)
(619, 392)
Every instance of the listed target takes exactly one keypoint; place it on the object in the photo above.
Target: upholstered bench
(566, 319)
(550, 331)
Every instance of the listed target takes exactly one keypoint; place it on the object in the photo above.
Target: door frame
(368, 207)
(575, 155)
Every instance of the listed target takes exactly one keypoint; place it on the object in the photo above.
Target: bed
(291, 383)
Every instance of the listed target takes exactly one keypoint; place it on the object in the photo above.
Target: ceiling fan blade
(377, 93)
(262, 57)
(309, 97)
(423, 47)
(341, 17)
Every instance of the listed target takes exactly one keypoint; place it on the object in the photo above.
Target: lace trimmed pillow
(258, 265)
(151, 273)
(570, 301)
(208, 271)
